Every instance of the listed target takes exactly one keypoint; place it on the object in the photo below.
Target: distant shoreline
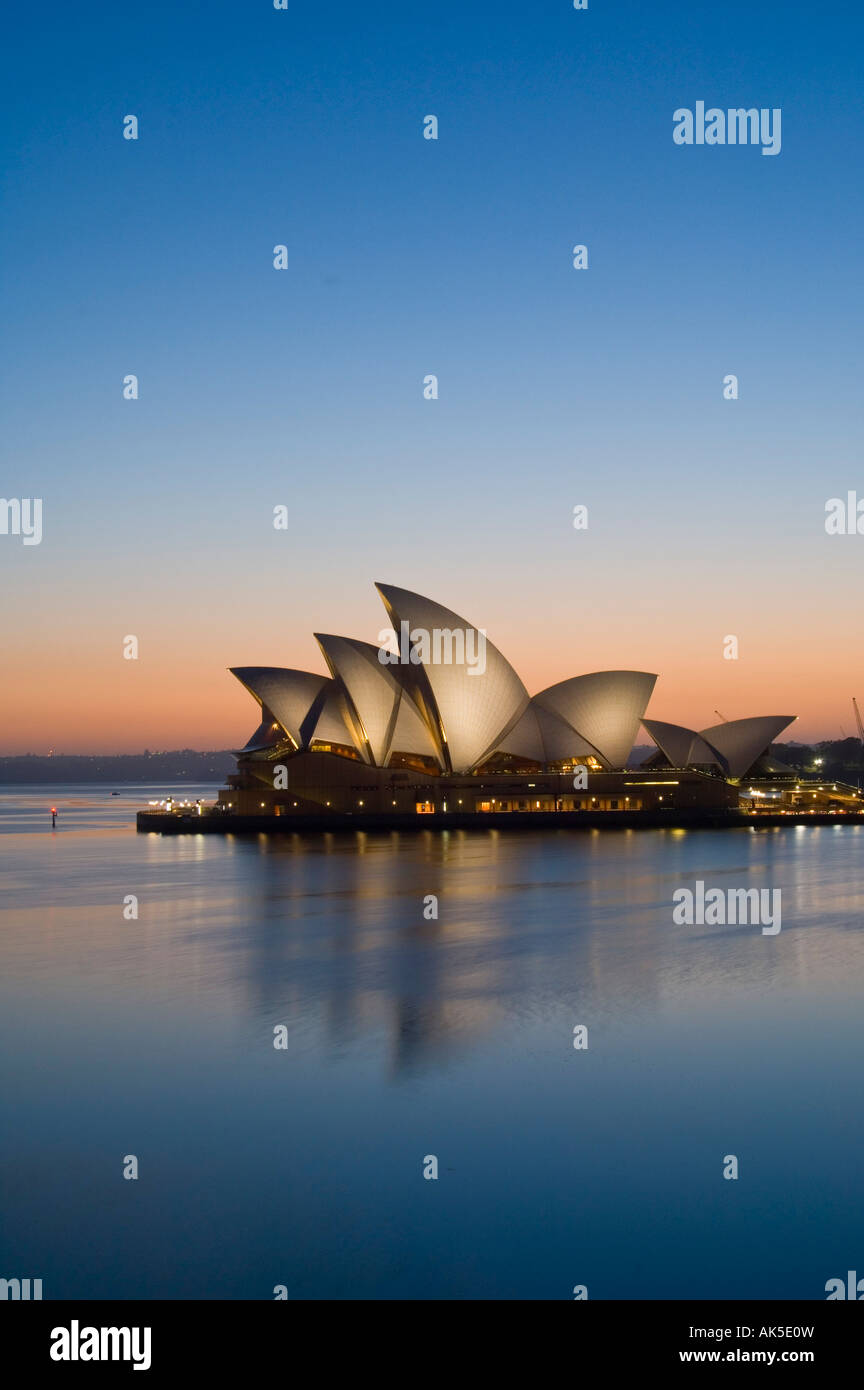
(837, 762)
(184, 765)
(318, 822)
(108, 785)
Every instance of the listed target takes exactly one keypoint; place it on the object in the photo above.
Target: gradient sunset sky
(407, 257)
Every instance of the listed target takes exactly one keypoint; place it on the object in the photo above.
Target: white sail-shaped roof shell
(732, 746)
(411, 734)
(475, 709)
(560, 740)
(289, 694)
(334, 723)
(525, 739)
(267, 735)
(703, 752)
(740, 741)
(605, 707)
(371, 688)
(684, 747)
(672, 739)
(543, 737)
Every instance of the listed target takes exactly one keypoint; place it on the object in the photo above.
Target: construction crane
(858, 721)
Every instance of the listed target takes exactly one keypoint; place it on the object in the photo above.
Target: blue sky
(409, 257)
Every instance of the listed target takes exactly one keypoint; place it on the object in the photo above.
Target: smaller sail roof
(287, 693)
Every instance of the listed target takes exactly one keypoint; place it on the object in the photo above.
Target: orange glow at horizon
(74, 695)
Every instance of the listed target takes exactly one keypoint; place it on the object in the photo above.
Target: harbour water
(410, 1035)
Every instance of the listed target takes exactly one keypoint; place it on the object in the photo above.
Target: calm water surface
(409, 1037)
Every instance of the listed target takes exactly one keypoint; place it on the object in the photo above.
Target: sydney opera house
(434, 720)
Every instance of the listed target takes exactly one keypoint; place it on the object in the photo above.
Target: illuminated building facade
(435, 719)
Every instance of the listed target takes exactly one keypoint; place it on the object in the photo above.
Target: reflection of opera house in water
(438, 721)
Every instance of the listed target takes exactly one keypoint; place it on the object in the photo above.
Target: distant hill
(184, 765)
(839, 759)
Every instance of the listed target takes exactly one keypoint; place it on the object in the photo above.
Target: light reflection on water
(409, 1036)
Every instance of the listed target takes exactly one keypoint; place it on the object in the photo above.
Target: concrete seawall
(148, 821)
